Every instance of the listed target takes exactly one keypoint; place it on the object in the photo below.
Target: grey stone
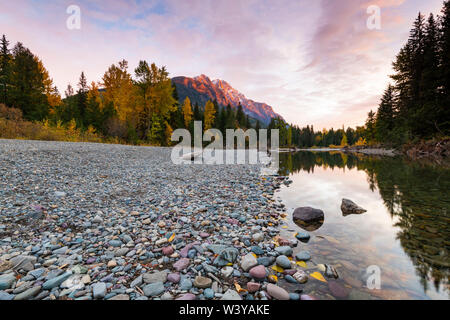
(154, 289)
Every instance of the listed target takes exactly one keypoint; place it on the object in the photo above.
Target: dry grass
(13, 126)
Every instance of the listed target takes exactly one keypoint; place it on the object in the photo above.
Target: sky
(314, 62)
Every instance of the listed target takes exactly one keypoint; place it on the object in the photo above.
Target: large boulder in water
(349, 207)
(308, 218)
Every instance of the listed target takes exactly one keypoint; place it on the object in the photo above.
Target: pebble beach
(83, 221)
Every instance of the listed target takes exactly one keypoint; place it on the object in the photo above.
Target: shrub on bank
(13, 126)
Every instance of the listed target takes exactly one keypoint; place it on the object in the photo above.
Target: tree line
(138, 108)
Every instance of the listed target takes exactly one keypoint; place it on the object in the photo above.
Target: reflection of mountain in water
(417, 195)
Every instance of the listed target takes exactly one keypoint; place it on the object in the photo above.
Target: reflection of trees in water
(417, 195)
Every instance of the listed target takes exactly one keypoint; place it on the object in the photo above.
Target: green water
(405, 231)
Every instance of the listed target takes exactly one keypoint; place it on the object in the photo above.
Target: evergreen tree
(5, 65)
(385, 118)
(230, 118)
(240, 116)
(27, 91)
(370, 127)
(82, 101)
(217, 114)
(222, 120)
(197, 113)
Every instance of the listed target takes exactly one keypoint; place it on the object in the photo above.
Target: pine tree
(5, 65)
(426, 111)
(222, 120)
(370, 127)
(82, 101)
(240, 116)
(69, 91)
(230, 118)
(197, 114)
(27, 91)
(385, 118)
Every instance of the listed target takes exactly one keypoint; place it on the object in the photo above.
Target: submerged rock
(338, 290)
(308, 218)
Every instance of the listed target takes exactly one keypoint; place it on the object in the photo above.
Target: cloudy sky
(315, 62)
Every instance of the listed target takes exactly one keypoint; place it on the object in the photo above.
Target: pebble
(6, 281)
(338, 290)
(300, 276)
(187, 296)
(99, 290)
(303, 236)
(55, 282)
(248, 261)
(27, 294)
(258, 272)
(181, 264)
(154, 289)
(253, 287)
(202, 282)
(277, 292)
(158, 276)
(185, 284)
(284, 250)
(209, 293)
(231, 295)
(4, 296)
(174, 277)
(283, 262)
(303, 256)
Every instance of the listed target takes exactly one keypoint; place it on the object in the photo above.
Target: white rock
(231, 295)
(248, 261)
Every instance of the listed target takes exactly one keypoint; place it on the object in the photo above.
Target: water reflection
(416, 197)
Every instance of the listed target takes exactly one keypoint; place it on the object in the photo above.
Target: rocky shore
(91, 221)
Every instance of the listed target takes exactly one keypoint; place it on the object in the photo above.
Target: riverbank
(94, 221)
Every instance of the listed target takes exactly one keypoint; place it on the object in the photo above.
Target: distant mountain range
(201, 89)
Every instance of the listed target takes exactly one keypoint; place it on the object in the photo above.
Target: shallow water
(405, 231)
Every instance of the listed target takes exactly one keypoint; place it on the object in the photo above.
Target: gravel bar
(84, 221)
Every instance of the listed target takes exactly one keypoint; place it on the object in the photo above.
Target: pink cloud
(314, 62)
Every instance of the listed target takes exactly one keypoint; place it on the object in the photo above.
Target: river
(405, 232)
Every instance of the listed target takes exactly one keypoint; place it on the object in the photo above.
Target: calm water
(405, 231)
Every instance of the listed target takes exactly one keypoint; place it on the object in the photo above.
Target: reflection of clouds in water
(369, 238)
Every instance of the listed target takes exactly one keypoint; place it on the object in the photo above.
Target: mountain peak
(203, 78)
(200, 89)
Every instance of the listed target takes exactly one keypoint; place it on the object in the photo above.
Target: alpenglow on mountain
(201, 89)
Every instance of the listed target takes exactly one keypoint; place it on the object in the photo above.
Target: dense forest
(143, 107)
(416, 105)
